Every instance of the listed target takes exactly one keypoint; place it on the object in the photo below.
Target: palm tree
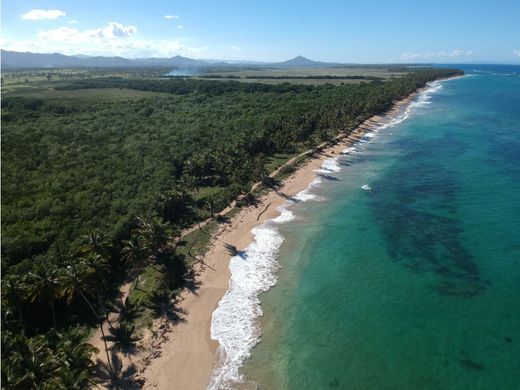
(127, 310)
(13, 293)
(133, 250)
(78, 279)
(210, 205)
(157, 235)
(77, 366)
(31, 366)
(96, 243)
(97, 263)
(154, 235)
(44, 285)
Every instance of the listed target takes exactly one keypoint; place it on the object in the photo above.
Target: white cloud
(170, 17)
(516, 53)
(236, 48)
(180, 27)
(111, 31)
(437, 55)
(114, 39)
(73, 21)
(41, 14)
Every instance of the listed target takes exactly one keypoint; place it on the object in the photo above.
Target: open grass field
(307, 76)
(42, 83)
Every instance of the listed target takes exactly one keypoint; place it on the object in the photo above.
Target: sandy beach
(188, 354)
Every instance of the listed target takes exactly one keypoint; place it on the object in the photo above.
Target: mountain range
(28, 60)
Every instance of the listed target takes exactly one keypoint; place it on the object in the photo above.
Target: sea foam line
(234, 323)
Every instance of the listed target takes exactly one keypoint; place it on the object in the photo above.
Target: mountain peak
(299, 61)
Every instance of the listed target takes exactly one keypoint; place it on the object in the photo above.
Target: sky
(361, 31)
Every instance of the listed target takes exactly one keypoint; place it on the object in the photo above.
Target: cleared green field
(44, 80)
(304, 75)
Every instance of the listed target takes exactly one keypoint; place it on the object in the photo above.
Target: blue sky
(364, 31)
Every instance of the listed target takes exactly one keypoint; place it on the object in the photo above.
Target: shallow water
(414, 284)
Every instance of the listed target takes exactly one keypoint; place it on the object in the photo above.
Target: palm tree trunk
(108, 321)
(20, 316)
(105, 342)
(106, 313)
(88, 303)
(53, 315)
(100, 326)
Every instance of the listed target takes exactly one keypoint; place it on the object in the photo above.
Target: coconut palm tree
(78, 279)
(74, 354)
(133, 251)
(127, 311)
(32, 364)
(154, 235)
(157, 236)
(43, 285)
(96, 243)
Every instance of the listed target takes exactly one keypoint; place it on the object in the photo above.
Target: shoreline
(188, 355)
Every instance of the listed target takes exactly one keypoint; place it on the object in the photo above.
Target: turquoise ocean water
(412, 285)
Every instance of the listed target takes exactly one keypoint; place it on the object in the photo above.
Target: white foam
(306, 194)
(423, 99)
(286, 215)
(329, 165)
(234, 322)
(349, 150)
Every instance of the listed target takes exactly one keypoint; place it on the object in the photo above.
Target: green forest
(96, 189)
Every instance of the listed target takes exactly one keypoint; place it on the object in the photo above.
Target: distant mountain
(18, 60)
(302, 62)
(13, 59)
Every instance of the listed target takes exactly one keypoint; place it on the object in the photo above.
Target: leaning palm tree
(78, 279)
(43, 285)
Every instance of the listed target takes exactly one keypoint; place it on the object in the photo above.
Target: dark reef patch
(471, 365)
(415, 208)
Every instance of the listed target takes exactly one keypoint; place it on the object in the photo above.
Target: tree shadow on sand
(115, 376)
(233, 251)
